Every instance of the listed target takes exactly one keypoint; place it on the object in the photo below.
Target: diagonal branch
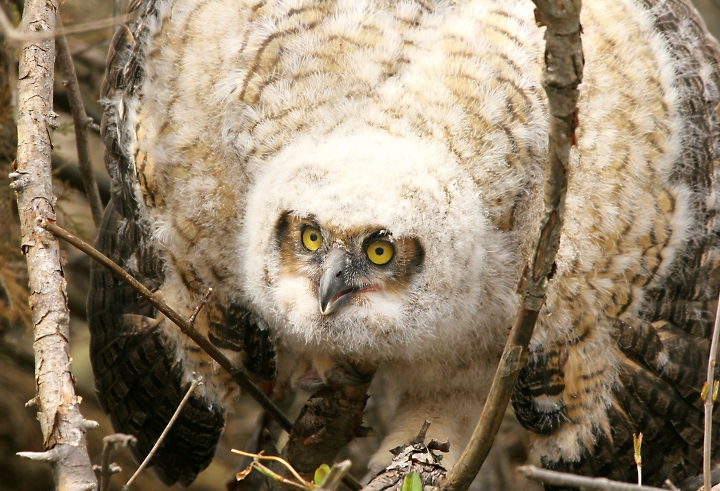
(561, 77)
(238, 373)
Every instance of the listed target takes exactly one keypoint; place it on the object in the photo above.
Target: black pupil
(313, 236)
(379, 251)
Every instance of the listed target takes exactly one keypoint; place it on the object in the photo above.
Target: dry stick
(15, 35)
(199, 307)
(63, 427)
(81, 121)
(107, 469)
(571, 480)
(191, 389)
(237, 373)
(561, 77)
(709, 400)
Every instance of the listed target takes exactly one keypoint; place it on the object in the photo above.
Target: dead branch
(238, 373)
(63, 427)
(18, 35)
(561, 77)
(571, 480)
(81, 122)
(176, 414)
(106, 468)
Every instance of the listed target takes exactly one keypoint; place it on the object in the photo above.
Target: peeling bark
(63, 427)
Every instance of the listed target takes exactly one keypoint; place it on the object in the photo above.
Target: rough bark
(62, 425)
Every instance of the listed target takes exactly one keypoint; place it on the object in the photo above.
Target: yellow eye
(380, 252)
(312, 240)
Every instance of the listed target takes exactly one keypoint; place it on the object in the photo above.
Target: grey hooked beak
(334, 290)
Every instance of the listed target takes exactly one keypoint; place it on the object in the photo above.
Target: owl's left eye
(380, 252)
(311, 239)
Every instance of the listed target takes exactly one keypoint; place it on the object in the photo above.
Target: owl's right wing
(661, 351)
(138, 378)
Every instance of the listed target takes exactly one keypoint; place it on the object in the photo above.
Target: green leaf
(320, 474)
(412, 483)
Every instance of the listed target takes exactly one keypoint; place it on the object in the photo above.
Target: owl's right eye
(311, 239)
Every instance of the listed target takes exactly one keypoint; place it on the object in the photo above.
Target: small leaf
(412, 483)
(637, 445)
(244, 473)
(704, 391)
(320, 474)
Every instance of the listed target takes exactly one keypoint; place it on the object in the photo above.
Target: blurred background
(19, 430)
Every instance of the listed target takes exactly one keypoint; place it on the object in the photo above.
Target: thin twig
(110, 443)
(16, 35)
(637, 454)
(80, 120)
(238, 373)
(191, 389)
(709, 401)
(200, 305)
(561, 77)
(274, 458)
(555, 478)
(116, 14)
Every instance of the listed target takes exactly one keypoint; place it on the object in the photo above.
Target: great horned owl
(360, 183)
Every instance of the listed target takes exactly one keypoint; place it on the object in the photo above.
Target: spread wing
(139, 380)
(662, 351)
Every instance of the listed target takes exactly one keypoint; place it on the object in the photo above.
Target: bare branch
(709, 401)
(562, 75)
(81, 121)
(199, 307)
(110, 443)
(571, 480)
(17, 35)
(237, 373)
(191, 389)
(63, 427)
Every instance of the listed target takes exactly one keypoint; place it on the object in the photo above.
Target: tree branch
(555, 478)
(561, 77)
(63, 427)
(80, 121)
(238, 373)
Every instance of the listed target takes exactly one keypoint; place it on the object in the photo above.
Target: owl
(361, 182)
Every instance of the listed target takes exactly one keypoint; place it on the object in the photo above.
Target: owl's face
(373, 246)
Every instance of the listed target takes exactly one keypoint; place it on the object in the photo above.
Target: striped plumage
(423, 124)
